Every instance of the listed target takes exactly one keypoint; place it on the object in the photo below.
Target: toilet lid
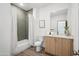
(37, 43)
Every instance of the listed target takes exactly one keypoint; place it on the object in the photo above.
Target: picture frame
(42, 23)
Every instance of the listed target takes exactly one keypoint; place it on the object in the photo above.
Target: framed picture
(42, 24)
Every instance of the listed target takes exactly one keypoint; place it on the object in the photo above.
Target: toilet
(38, 45)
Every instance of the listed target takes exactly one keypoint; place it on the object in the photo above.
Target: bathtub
(22, 45)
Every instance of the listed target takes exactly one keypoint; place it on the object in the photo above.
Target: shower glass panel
(22, 24)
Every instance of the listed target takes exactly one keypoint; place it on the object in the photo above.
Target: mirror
(61, 27)
(57, 21)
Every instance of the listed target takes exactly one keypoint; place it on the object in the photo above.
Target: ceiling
(28, 6)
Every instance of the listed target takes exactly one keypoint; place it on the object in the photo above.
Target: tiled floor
(31, 52)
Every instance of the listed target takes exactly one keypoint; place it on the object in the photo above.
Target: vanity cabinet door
(47, 44)
(58, 46)
(53, 46)
(67, 47)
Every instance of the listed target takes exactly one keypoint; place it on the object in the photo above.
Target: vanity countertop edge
(60, 36)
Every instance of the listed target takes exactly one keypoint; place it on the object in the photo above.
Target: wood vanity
(59, 45)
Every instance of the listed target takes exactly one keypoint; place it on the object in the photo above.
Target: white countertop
(61, 36)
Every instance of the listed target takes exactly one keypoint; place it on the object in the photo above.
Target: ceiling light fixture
(21, 4)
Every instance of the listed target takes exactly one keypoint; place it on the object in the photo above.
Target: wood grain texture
(32, 52)
(58, 46)
(52, 46)
(47, 44)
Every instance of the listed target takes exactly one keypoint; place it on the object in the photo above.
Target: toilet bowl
(38, 45)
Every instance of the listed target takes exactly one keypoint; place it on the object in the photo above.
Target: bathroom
(37, 29)
(29, 24)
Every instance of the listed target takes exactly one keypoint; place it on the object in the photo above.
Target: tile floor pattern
(31, 52)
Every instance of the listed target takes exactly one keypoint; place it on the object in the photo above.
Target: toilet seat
(38, 43)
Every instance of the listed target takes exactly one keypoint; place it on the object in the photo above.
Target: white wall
(36, 23)
(78, 29)
(14, 30)
(5, 29)
(31, 29)
(74, 24)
